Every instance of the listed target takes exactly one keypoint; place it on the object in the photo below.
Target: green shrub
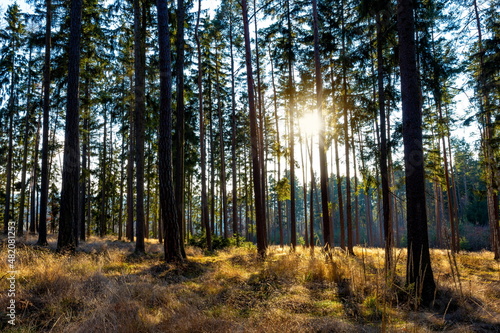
(218, 242)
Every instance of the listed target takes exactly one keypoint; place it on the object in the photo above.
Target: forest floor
(105, 288)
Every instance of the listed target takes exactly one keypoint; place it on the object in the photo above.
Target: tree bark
(203, 152)
(29, 110)
(384, 172)
(419, 270)
(233, 133)
(257, 180)
(327, 233)
(172, 240)
(139, 91)
(179, 135)
(69, 217)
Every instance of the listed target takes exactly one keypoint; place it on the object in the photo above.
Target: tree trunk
(204, 202)
(348, 202)
(34, 181)
(68, 223)
(257, 180)
(419, 271)
(130, 175)
(8, 188)
(491, 182)
(278, 151)
(172, 241)
(291, 89)
(233, 133)
(221, 148)
(179, 123)
(103, 212)
(139, 92)
(384, 172)
(29, 109)
(122, 178)
(85, 171)
(327, 233)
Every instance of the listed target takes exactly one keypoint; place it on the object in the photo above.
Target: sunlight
(310, 123)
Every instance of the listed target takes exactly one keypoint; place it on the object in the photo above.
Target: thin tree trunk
(139, 92)
(221, 148)
(130, 174)
(179, 135)
(257, 181)
(384, 173)
(103, 211)
(29, 109)
(348, 202)
(304, 185)
(122, 178)
(34, 181)
(291, 88)
(8, 189)
(278, 153)
(85, 171)
(233, 132)
(203, 152)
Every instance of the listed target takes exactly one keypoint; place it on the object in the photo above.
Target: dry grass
(103, 288)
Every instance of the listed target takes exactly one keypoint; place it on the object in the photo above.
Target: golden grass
(103, 288)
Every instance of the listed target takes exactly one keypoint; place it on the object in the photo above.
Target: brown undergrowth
(104, 288)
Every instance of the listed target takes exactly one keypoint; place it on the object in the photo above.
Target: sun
(310, 123)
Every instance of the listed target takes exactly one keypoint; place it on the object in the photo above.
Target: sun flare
(310, 123)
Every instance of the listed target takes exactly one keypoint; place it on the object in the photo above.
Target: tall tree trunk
(348, 202)
(261, 116)
(311, 205)
(278, 150)
(29, 110)
(337, 169)
(173, 241)
(204, 202)
(34, 181)
(122, 178)
(179, 135)
(384, 172)
(148, 195)
(233, 133)
(419, 271)
(85, 171)
(221, 148)
(437, 216)
(140, 105)
(103, 210)
(327, 233)
(491, 182)
(212, 160)
(304, 183)
(68, 223)
(257, 179)
(8, 171)
(291, 89)
(130, 174)
(339, 193)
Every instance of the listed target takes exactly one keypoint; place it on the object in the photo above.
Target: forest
(248, 153)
